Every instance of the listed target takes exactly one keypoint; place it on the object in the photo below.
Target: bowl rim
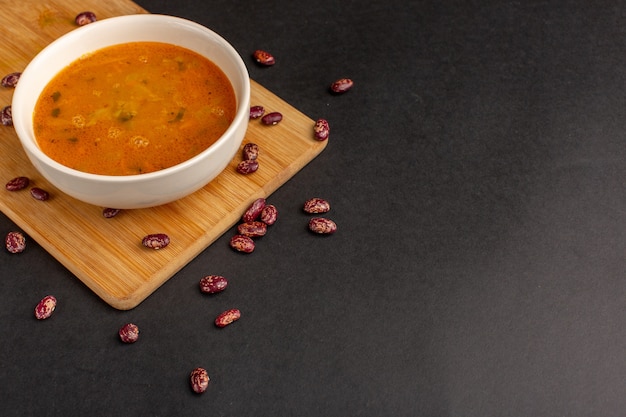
(241, 115)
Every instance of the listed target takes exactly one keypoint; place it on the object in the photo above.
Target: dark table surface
(476, 174)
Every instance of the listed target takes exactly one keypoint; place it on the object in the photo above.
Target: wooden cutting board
(106, 254)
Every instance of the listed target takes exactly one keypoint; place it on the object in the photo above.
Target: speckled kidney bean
(17, 183)
(256, 112)
(316, 205)
(108, 212)
(269, 214)
(39, 194)
(199, 380)
(10, 80)
(129, 333)
(227, 317)
(272, 118)
(321, 130)
(15, 242)
(242, 243)
(84, 18)
(156, 241)
(341, 85)
(212, 284)
(323, 226)
(45, 307)
(252, 229)
(6, 116)
(250, 151)
(254, 210)
(247, 166)
(264, 57)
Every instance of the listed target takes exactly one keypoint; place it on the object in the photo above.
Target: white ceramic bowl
(145, 190)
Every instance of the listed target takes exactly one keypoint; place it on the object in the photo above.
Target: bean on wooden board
(17, 183)
(322, 226)
(212, 284)
(341, 85)
(269, 214)
(10, 80)
(316, 205)
(227, 317)
(6, 116)
(129, 333)
(242, 243)
(108, 212)
(15, 242)
(247, 166)
(45, 307)
(199, 380)
(39, 194)
(252, 229)
(321, 130)
(256, 112)
(272, 118)
(156, 241)
(250, 151)
(254, 210)
(264, 57)
(84, 18)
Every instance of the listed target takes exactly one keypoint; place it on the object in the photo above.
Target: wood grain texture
(106, 254)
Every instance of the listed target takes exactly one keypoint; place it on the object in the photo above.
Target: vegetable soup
(133, 108)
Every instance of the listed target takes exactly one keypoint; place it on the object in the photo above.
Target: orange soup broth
(133, 108)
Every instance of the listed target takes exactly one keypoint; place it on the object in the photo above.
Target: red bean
(272, 118)
(250, 151)
(342, 85)
(15, 242)
(256, 112)
(84, 18)
(39, 194)
(6, 116)
(156, 241)
(10, 80)
(247, 166)
(264, 57)
(17, 183)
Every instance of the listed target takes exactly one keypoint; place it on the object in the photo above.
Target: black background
(476, 174)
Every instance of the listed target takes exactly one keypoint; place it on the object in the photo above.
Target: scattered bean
(6, 116)
(272, 118)
(269, 214)
(199, 379)
(342, 85)
(252, 229)
(264, 57)
(110, 212)
(156, 241)
(322, 226)
(15, 242)
(227, 317)
(129, 333)
(256, 112)
(84, 18)
(321, 129)
(316, 205)
(242, 243)
(17, 183)
(10, 80)
(247, 166)
(45, 307)
(39, 194)
(254, 210)
(212, 284)
(250, 151)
